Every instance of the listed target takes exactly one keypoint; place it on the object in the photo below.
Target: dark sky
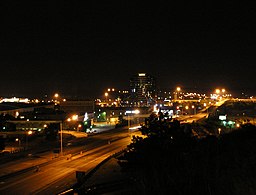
(82, 49)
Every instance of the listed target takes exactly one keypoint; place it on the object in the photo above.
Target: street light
(219, 130)
(27, 134)
(19, 141)
(106, 95)
(217, 91)
(56, 95)
(61, 142)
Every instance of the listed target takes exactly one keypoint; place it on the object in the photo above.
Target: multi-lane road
(54, 175)
(40, 173)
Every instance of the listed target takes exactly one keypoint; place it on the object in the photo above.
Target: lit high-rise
(143, 89)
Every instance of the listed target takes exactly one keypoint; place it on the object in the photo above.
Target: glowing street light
(106, 95)
(56, 95)
(219, 130)
(19, 141)
(217, 91)
(75, 117)
(27, 134)
(194, 108)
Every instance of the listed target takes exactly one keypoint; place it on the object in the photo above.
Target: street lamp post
(61, 142)
(27, 134)
(194, 109)
(19, 142)
(106, 96)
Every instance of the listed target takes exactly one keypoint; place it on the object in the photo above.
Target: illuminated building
(143, 89)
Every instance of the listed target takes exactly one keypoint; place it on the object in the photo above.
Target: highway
(58, 174)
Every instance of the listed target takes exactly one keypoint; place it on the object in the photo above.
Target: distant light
(56, 95)
(222, 117)
(142, 74)
(75, 117)
(136, 127)
(85, 116)
(17, 114)
(132, 112)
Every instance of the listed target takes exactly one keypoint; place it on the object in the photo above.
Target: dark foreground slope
(171, 161)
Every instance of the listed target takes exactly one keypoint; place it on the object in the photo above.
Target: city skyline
(80, 50)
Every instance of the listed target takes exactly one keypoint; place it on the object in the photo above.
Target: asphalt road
(58, 174)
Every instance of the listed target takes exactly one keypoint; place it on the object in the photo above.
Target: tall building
(143, 89)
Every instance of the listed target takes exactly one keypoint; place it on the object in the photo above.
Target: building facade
(143, 89)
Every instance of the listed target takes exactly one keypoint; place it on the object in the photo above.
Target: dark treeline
(170, 160)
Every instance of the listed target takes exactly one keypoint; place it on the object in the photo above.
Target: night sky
(83, 49)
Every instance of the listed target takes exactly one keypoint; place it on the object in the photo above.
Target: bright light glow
(178, 89)
(142, 74)
(85, 116)
(30, 132)
(217, 91)
(106, 94)
(75, 117)
(132, 112)
(137, 127)
(223, 90)
(14, 99)
(222, 117)
(155, 108)
(136, 111)
(17, 114)
(56, 95)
